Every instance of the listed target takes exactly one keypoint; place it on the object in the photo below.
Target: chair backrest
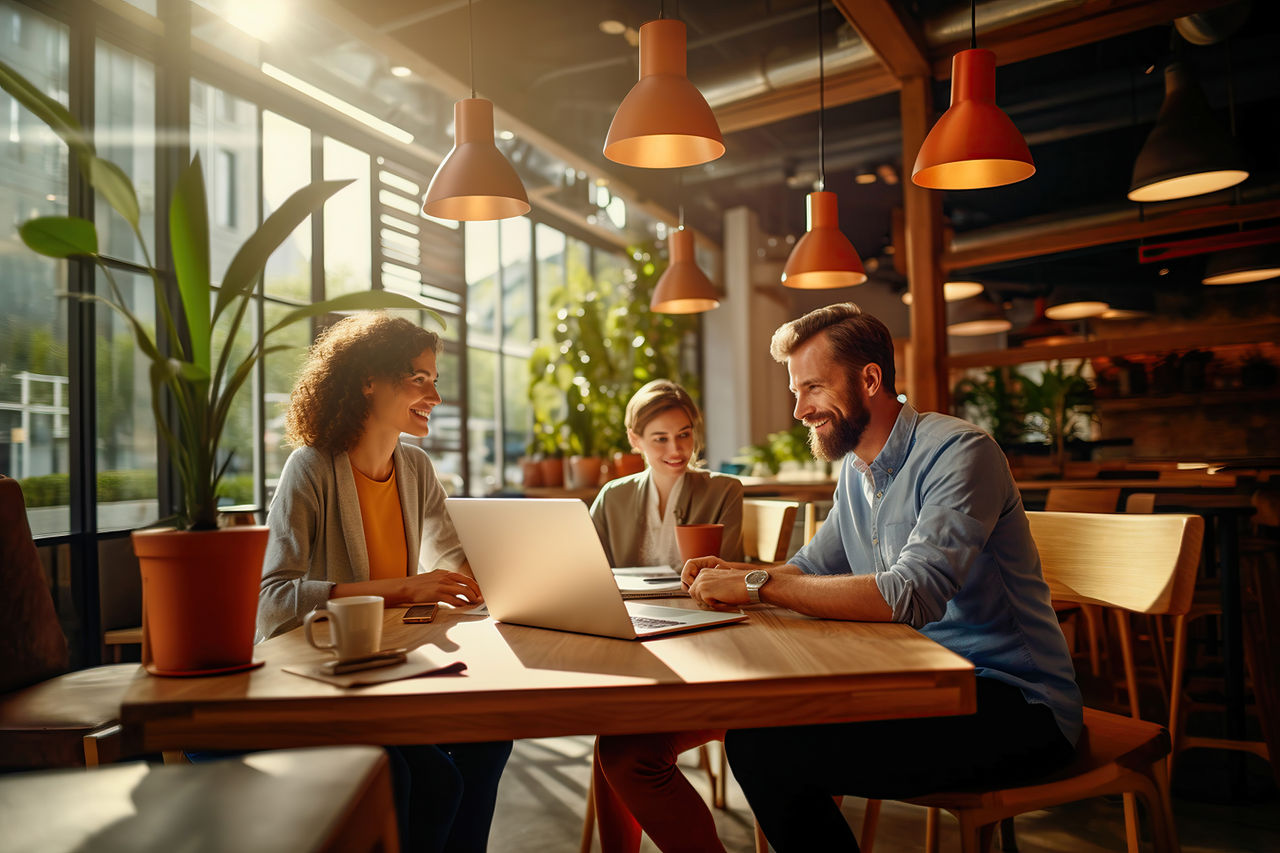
(767, 528)
(31, 642)
(1140, 563)
(1140, 502)
(1082, 500)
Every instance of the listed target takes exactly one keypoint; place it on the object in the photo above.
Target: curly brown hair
(328, 408)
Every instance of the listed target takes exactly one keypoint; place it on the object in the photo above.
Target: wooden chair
(1135, 563)
(48, 717)
(325, 800)
(1083, 500)
(767, 526)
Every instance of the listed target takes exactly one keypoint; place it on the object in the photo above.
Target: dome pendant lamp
(474, 182)
(974, 145)
(1188, 153)
(683, 288)
(823, 258)
(663, 122)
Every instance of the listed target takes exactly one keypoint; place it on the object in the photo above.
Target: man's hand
(693, 567)
(722, 587)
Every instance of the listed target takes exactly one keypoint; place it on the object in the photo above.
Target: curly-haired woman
(357, 512)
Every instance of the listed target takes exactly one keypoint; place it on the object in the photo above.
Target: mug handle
(334, 632)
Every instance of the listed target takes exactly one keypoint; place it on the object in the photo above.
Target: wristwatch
(756, 579)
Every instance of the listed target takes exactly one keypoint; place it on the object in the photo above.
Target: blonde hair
(659, 396)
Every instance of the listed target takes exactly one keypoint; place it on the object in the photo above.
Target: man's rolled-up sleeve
(962, 496)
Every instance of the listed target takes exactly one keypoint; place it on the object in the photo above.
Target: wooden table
(522, 682)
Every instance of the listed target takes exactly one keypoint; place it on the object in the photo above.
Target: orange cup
(699, 540)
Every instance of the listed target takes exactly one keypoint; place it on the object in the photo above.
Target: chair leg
(1008, 838)
(1091, 629)
(931, 840)
(974, 837)
(589, 818)
(721, 798)
(1133, 840)
(762, 843)
(870, 822)
(1176, 676)
(103, 746)
(1126, 652)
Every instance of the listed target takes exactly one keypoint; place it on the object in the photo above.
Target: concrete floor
(542, 798)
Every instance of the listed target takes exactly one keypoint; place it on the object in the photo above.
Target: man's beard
(842, 434)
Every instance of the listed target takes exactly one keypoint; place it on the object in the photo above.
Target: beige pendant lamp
(683, 288)
(952, 291)
(974, 145)
(663, 122)
(474, 182)
(823, 258)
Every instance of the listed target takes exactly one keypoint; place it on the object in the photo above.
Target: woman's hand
(452, 588)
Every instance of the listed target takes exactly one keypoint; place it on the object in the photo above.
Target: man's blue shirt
(948, 540)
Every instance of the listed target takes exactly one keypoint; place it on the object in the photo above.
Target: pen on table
(661, 580)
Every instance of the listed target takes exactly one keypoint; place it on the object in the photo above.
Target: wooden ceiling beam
(802, 99)
(1053, 237)
(1073, 27)
(898, 42)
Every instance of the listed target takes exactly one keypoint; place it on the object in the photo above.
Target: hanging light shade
(977, 315)
(475, 182)
(952, 291)
(1188, 152)
(1042, 331)
(1130, 304)
(1242, 266)
(664, 122)
(823, 257)
(683, 288)
(974, 145)
(1074, 303)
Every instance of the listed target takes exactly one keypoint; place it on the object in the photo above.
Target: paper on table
(417, 663)
(648, 582)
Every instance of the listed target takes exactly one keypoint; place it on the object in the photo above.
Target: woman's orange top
(383, 522)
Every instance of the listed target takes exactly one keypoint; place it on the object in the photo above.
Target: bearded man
(927, 528)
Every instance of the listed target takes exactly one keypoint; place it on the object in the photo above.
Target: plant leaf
(251, 259)
(114, 185)
(60, 236)
(368, 300)
(189, 234)
(52, 113)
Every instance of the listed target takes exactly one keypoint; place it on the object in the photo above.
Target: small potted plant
(200, 584)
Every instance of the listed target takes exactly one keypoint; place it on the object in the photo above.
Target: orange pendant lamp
(474, 182)
(823, 258)
(683, 288)
(663, 122)
(974, 145)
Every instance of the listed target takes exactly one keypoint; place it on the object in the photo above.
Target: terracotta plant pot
(200, 596)
(531, 473)
(626, 464)
(583, 472)
(552, 473)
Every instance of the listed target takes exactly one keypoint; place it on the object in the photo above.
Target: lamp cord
(822, 162)
(973, 24)
(471, 48)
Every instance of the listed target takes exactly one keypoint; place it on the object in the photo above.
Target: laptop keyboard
(650, 622)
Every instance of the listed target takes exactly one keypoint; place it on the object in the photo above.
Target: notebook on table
(540, 563)
(638, 582)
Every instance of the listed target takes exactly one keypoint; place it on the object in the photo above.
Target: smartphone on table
(420, 613)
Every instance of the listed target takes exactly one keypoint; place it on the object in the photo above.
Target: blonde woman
(637, 783)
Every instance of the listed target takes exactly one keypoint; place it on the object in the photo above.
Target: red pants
(638, 787)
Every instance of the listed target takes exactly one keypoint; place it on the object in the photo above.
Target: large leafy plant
(192, 386)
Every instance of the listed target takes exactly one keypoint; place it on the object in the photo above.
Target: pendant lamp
(474, 182)
(1243, 266)
(823, 258)
(952, 291)
(683, 288)
(1074, 303)
(1188, 153)
(975, 316)
(974, 145)
(663, 122)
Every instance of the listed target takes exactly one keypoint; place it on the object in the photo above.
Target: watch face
(757, 577)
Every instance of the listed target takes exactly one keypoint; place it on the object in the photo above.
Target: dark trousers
(790, 774)
(445, 794)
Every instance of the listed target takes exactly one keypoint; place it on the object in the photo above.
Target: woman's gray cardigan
(317, 535)
(619, 512)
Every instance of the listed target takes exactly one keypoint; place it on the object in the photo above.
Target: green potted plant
(1059, 406)
(200, 584)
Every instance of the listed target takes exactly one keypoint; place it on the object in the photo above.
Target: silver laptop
(539, 562)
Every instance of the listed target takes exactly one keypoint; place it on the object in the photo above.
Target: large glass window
(34, 404)
(224, 133)
(124, 133)
(347, 254)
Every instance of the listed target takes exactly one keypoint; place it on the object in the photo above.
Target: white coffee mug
(355, 625)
